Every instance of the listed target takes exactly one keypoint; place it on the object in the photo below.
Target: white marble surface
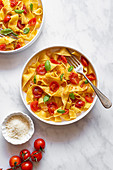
(86, 25)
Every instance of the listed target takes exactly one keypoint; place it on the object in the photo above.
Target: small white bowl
(30, 42)
(26, 137)
(23, 94)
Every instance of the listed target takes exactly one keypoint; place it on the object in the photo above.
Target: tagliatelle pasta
(20, 18)
(53, 89)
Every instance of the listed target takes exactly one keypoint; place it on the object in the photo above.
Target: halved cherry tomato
(89, 98)
(27, 165)
(54, 86)
(74, 79)
(32, 22)
(2, 47)
(37, 92)
(39, 144)
(19, 25)
(62, 58)
(84, 61)
(14, 160)
(73, 100)
(79, 104)
(7, 18)
(1, 4)
(13, 3)
(18, 46)
(66, 112)
(52, 107)
(24, 154)
(91, 76)
(24, 8)
(54, 61)
(36, 156)
(34, 106)
(41, 69)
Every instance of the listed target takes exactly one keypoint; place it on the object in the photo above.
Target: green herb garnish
(19, 11)
(60, 111)
(31, 6)
(70, 68)
(26, 30)
(6, 31)
(46, 98)
(47, 65)
(61, 76)
(35, 79)
(72, 96)
(86, 82)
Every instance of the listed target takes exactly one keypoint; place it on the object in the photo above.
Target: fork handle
(104, 100)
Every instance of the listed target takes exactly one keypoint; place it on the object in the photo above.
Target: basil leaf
(46, 98)
(72, 96)
(14, 34)
(86, 82)
(26, 30)
(47, 65)
(70, 68)
(19, 11)
(61, 76)
(35, 79)
(31, 6)
(6, 31)
(60, 111)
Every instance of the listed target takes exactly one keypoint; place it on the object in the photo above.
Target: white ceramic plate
(23, 94)
(30, 42)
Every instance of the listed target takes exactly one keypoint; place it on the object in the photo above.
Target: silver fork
(79, 69)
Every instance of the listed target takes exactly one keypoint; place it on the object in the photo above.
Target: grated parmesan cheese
(17, 126)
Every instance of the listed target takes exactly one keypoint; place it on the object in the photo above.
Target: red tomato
(89, 98)
(14, 160)
(34, 106)
(39, 144)
(13, 3)
(79, 104)
(66, 112)
(84, 61)
(37, 92)
(54, 61)
(54, 86)
(91, 76)
(74, 79)
(19, 25)
(36, 156)
(18, 46)
(32, 22)
(7, 18)
(41, 69)
(73, 100)
(52, 107)
(27, 165)
(25, 10)
(24, 154)
(2, 47)
(62, 58)
(1, 4)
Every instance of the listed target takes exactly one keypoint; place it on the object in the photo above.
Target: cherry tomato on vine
(14, 161)
(39, 144)
(36, 156)
(24, 154)
(27, 165)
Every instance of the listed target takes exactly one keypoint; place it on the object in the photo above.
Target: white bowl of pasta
(20, 24)
(51, 89)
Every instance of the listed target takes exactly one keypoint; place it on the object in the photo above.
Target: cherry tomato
(52, 107)
(19, 25)
(79, 104)
(74, 79)
(34, 106)
(32, 22)
(1, 4)
(73, 100)
(18, 46)
(91, 76)
(54, 61)
(25, 10)
(84, 61)
(89, 98)
(36, 156)
(41, 69)
(62, 58)
(66, 112)
(39, 144)
(14, 160)
(13, 3)
(7, 18)
(54, 86)
(2, 47)
(24, 154)
(37, 92)
(27, 165)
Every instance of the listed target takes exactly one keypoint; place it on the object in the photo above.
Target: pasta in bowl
(20, 24)
(52, 90)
